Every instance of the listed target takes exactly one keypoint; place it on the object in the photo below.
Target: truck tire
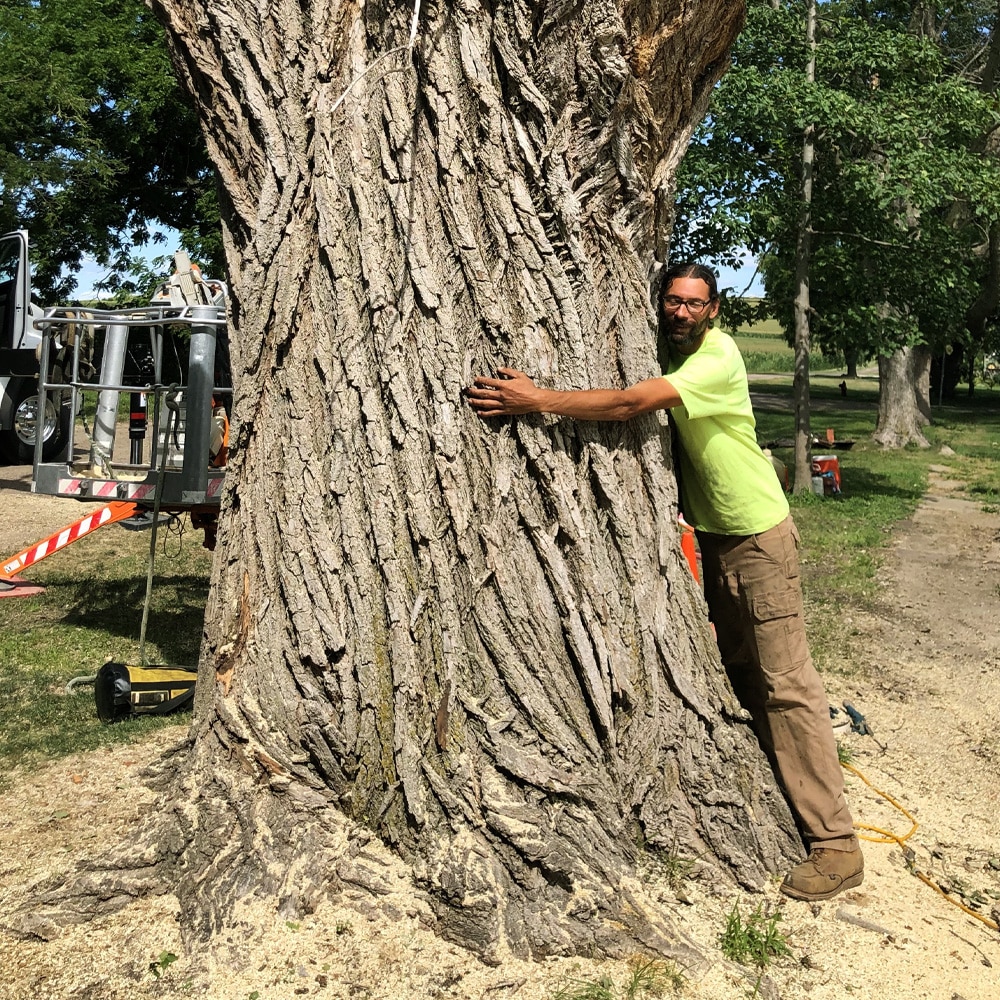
(17, 442)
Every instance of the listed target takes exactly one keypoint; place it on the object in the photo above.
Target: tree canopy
(907, 183)
(97, 142)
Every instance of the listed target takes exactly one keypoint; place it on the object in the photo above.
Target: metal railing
(188, 403)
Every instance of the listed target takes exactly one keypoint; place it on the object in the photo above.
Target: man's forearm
(588, 404)
(515, 393)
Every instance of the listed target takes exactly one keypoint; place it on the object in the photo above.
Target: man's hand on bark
(511, 394)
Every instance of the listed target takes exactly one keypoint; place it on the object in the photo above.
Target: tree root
(211, 856)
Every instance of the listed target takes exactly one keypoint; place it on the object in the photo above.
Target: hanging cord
(385, 55)
(175, 530)
(887, 837)
(173, 407)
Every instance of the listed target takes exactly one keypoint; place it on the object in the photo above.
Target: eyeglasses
(694, 306)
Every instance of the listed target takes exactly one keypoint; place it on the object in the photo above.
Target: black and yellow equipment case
(122, 690)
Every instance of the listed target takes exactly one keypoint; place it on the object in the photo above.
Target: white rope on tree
(385, 55)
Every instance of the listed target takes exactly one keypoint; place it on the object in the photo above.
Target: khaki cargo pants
(755, 602)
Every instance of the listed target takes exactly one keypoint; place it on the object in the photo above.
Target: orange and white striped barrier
(11, 585)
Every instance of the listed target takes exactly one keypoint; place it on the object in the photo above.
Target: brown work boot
(824, 873)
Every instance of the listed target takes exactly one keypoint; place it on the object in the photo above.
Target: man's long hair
(688, 269)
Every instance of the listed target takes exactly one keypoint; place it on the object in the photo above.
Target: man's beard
(687, 335)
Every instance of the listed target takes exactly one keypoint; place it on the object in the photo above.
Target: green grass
(91, 611)
(645, 978)
(761, 343)
(766, 362)
(765, 351)
(844, 538)
(768, 327)
(755, 941)
(669, 866)
(971, 428)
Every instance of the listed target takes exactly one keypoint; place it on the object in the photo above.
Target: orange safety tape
(37, 551)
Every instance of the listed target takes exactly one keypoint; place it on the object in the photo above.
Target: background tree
(97, 142)
(477, 642)
(801, 306)
(905, 188)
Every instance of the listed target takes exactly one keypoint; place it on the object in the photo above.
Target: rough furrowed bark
(477, 640)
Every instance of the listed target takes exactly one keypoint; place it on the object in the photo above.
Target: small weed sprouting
(646, 978)
(756, 942)
(670, 866)
(587, 989)
(676, 869)
(844, 753)
(755, 993)
(166, 959)
(651, 977)
(343, 927)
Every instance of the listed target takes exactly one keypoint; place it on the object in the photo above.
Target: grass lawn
(90, 612)
(844, 537)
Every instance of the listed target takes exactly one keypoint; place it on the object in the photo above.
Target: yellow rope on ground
(887, 837)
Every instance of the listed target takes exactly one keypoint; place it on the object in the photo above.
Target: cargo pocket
(779, 630)
(778, 554)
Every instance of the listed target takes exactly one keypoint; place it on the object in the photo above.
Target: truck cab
(20, 342)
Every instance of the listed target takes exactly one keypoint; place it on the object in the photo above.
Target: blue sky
(91, 272)
(737, 281)
(86, 278)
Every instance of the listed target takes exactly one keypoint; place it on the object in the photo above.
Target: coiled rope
(887, 837)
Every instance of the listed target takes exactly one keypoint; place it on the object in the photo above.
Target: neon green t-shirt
(728, 485)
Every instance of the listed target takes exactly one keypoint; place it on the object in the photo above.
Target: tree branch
(863, 239)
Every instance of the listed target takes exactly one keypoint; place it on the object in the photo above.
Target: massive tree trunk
(904, 400)
(477, 641)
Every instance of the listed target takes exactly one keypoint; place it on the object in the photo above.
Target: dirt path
(924, 671)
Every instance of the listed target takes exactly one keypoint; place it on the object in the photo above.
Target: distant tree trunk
(904, 400)
(947, 368)
(851, 363)
(988, 300)
(921, 368)
(477, 641)
(803, 252)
